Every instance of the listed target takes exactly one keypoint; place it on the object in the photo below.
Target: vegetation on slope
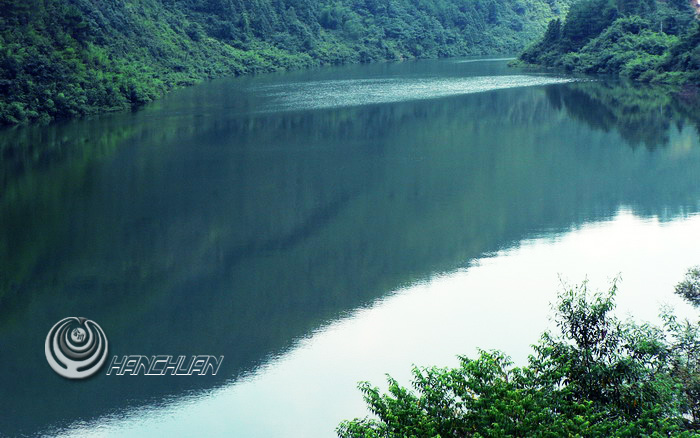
(599, 377)
(64, 58)
(648, 40)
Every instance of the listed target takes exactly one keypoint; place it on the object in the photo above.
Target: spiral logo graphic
(76, 347)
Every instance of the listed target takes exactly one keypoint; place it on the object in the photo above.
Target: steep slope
(64, 58)
(649, 40)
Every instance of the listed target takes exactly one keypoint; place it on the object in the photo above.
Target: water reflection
(311, 388)
(641, 113)
(202, 225)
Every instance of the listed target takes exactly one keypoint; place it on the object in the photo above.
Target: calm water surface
(324, 227)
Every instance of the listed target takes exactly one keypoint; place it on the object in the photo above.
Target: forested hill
(647, 40)
(63, 58)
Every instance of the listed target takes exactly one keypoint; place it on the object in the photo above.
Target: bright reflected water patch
(343, 93)
(463, 61)
(429, 323)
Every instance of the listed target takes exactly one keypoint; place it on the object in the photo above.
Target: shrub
(596, 377)
(689, 288)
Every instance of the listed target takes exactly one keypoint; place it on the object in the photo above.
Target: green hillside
(648, 40)
(66, 58)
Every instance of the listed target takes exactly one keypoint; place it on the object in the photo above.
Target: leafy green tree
(585, 20)
(597, 377)
(689, 288)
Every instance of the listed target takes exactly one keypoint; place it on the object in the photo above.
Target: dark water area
(243, 216)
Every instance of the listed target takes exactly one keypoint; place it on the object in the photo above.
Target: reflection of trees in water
(237, 235)
(642, 114)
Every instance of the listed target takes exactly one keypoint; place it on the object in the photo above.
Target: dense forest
(66, 58)
(647, 40)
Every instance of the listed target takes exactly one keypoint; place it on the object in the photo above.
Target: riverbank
(61, 59)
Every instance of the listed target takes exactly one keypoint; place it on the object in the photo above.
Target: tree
(689, 288)
(598, 377)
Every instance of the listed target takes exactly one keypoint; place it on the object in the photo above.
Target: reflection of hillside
(237, 235)
(641, 113)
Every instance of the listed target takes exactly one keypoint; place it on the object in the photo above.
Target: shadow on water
(234, 232)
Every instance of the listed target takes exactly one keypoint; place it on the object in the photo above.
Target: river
(323, 227)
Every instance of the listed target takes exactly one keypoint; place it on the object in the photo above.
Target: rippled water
(341, 93)
(323, 227)
(481, 60)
